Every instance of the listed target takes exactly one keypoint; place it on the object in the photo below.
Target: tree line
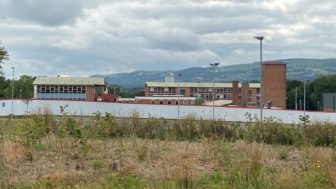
(314, 92)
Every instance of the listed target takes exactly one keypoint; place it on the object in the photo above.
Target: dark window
(47, 89)
(161, 102)
(169, 102)
(66, 89)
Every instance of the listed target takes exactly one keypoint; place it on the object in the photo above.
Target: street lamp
(13, 92)
(304, 97)
(260, 38)
(178, 97)
(296, 93)
(214, 66)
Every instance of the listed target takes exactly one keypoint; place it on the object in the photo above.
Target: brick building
(274, 83)
(72, 88)
(237, 93)
(166, 100)
(231, 92)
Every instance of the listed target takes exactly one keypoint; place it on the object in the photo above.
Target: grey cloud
(85, 37)
(47, 12)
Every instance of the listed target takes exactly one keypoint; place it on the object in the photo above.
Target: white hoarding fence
(85, 108)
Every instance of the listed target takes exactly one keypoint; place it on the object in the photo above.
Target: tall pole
(214, 65)
(296, 91)
(178, 97)
(260, 38)
(304, 98)
(13, 93)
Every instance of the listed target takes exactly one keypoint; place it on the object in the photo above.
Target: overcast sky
(85, 37)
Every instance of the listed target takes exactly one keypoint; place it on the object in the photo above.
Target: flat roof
(164, 98)
(274, 62)
(196, 84)
(69, 81)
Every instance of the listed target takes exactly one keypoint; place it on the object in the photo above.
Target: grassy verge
(104, 152)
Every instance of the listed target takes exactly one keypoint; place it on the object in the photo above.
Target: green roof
(69, 81)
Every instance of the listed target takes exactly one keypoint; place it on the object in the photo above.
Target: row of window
(76, 89)
(193, 89)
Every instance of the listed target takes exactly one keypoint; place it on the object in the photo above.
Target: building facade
(235, 93)
(71, 88)
(274, 83)
(166, 100)
(226, 92)
(329, 102)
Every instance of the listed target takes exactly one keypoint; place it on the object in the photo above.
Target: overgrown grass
(202, 153)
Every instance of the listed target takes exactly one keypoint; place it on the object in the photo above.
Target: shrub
(319, 134)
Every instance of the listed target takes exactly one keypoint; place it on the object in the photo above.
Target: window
(169, 102)
(66, 89)
(250, 92)
(258, 90)
(3, 104)
(161, 102)
(47, 89)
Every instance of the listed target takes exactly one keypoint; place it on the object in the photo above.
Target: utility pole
(296, 91)
(304, 98)
(12, 115)
(178, 97)
(260, 38)
(214, 66)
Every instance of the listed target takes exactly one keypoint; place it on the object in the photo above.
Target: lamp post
(214, 66)
(296, 105)
(178, 97)
(13, 93)
(260, 38)
(304, 97)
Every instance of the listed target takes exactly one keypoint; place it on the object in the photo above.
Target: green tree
(314, 91)
(3, 55)
(4, 85)
(23, 88)
(291, 87)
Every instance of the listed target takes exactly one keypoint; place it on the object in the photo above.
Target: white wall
(146, 110)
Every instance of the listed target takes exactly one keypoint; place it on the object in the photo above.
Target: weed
(97, 164)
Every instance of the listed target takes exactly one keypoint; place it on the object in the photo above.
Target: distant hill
(299, 69)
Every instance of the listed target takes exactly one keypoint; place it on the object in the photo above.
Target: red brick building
(274, 83)
(207, 91)
(236, 93)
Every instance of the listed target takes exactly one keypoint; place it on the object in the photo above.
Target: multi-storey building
(72, 88)
(237, 93)
(208, 91)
